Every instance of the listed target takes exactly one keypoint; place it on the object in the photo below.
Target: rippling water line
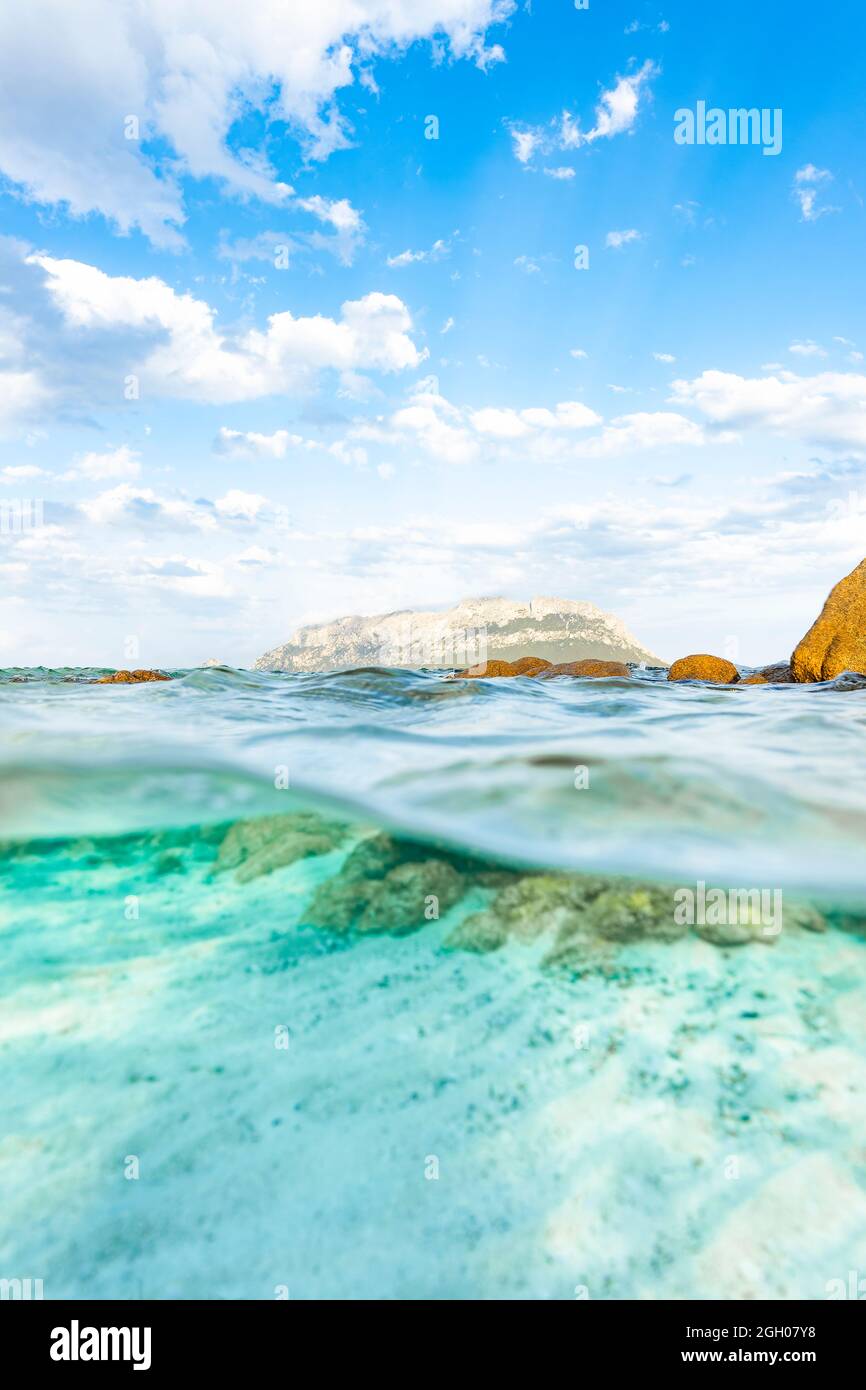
(750, 785)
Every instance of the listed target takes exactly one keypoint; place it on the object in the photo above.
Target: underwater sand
(574, 1105)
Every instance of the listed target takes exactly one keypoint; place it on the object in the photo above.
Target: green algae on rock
(387, 885)
(265, 843)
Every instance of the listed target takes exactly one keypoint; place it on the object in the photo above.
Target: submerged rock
(131, 677)
(258, 846)
(702, 667)
(410, 896)
(757, 679)
(385, 886)
(836, 641)
(778, 674)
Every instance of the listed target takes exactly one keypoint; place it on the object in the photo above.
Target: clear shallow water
(757, 785)
(607, 1108)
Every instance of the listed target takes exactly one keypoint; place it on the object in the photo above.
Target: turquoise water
(402, 1028)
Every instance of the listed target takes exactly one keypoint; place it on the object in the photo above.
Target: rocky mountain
(474, 631)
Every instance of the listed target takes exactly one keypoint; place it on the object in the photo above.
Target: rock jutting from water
(836, 641)
(539, 667)
(702, 667)
(589, 667)
(131, 677)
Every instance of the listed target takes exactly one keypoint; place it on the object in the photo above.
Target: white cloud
(447, 325)
(578, 352)
(807, 348)
(616, 111)
(281, 248)
(249, 444)
(114, 463)
(828, 409)
(562, 171)
(664, 357)
(526, 142)
(568, 430)
(126, 503)
(191, 359)
(615, 114)
(807, 181)
(528, 265)
(15, 473)
(245, 506)
(185, 71)
(646, 430)
(618, 239)
(437, 251)
(22, 396)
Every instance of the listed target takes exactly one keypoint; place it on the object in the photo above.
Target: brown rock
(704, 668)
(531, 665)
(836, 641)
(588, 667)
(757, 679)
(488, 669)
(131, 677)
(779, 673)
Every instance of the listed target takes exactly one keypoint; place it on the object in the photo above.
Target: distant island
(474, 630)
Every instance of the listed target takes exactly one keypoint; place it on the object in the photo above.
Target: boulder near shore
(538, 666)
(836, 641)
(131, 677)
(702, 667)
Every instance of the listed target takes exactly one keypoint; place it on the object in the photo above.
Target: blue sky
(282, 357)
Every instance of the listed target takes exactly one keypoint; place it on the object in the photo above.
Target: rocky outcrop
(589, 668)
(131, 677)
(475, 630)
(488, 669)
(531, 665)
(778, 674)
(537, 666)
(702, 667)
(836, 641)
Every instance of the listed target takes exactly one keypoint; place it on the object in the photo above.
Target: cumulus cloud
(144, 93)
(248, 444)
(828, 409)
(113, 463)
(171, 344)
(515, 424)
(569, 430)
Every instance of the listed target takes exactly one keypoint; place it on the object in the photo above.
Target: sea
(382, 984)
